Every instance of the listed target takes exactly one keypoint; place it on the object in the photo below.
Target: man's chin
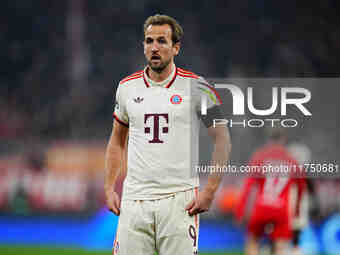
(157, 68)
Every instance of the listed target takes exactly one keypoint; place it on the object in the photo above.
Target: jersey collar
(170, 81)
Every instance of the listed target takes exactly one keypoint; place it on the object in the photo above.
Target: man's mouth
(155, 57)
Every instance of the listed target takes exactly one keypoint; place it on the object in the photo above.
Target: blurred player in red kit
(277, 198)
(309, 205)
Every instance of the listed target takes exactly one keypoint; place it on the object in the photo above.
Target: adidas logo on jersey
(138, 100)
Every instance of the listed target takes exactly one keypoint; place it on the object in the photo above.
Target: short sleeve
(120, 113)
(207, 92)
(209, 102)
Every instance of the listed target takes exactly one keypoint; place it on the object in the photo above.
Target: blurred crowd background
(61, 61)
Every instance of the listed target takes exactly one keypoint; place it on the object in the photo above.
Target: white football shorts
(162, 226)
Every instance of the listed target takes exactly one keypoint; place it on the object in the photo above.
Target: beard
(159, 68)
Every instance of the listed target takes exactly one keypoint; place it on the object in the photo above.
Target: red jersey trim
(132, 78)
(213, 90)
(172, 80)
(120, 121)
(217, 95)
(188, 75)
(145, 81)
(134, 74)
(185, 71)
(167, 86)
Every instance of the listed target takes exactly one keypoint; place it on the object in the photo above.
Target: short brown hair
(158, 19)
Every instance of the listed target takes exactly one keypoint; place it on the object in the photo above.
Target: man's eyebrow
(160, 36)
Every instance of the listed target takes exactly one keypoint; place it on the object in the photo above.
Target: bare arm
(114, 164)
(220, 155)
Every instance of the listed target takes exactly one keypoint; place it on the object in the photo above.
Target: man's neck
(158, 77)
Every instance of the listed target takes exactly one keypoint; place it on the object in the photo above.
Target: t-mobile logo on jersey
(156, 124)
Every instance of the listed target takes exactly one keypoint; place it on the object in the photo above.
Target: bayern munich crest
(176, 99)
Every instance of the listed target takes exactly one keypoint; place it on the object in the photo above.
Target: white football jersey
(163, 123)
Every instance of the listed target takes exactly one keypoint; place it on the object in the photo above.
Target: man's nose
(155, 47)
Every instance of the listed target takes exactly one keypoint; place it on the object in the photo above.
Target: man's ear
(177, 47)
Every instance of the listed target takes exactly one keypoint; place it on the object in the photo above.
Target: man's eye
(162, 41)
(149, 40)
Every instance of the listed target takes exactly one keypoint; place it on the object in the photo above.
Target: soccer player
(309, 203)
(158, 108)
(277, 198)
